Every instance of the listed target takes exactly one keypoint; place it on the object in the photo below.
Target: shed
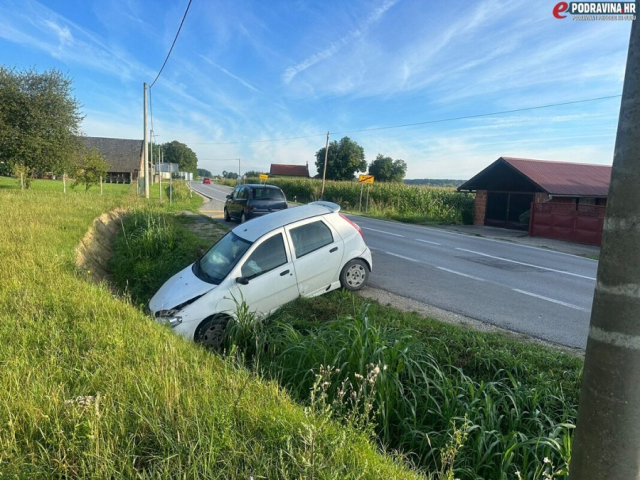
(123, 156)
(511, 192)
(283, 170)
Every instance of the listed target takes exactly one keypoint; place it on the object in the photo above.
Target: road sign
(263, 176)
(365, 179)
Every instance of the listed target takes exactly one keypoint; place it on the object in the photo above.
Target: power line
(429, 122)
(172, 45)
(482, 115)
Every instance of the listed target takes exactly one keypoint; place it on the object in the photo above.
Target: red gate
(578, 223)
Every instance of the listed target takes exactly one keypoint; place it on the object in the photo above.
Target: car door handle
(334, 249)
(284, 273)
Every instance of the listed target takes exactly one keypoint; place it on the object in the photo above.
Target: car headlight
(168, 317)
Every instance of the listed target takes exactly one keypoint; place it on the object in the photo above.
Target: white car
(272, 260)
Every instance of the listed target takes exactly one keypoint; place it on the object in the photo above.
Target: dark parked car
(253, 200)
(206, 180)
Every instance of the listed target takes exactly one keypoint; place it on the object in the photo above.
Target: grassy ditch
(91, 388)
(473, 404)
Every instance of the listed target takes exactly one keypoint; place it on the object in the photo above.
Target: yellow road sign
(263, 176)
(365, 179)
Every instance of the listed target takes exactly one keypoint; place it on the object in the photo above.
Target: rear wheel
(243, 217)
(354, 275)
(211, 332)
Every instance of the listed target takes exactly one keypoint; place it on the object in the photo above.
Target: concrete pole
(146, 146)
(607, 439)
(324, 170)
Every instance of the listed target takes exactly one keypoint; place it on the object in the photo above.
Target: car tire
(211, 332)
(354, 275)
(243, 217)
(227, 217)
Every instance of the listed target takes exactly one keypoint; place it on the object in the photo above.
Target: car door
(318, 251)
(266, 279)
(236, 203)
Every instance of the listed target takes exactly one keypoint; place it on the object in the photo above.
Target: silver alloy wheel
(355, 275)
(243, 217)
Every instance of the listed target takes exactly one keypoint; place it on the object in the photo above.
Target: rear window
(268, 194)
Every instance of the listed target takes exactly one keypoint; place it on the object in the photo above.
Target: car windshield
(216, 264)
(268, 194)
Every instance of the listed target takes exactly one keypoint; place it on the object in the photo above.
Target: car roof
(259, 185)
(256, 228)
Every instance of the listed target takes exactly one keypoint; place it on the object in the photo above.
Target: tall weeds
(411, 203)
(418, 399)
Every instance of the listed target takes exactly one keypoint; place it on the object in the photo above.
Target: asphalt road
(539, 292)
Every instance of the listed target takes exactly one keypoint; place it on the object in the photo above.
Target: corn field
(417, 204)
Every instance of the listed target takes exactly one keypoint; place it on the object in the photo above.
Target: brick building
(549, 199)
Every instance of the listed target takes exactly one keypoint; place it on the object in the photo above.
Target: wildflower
(546, 460)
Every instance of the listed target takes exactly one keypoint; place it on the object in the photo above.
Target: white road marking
(565, 304)
(427, 241)
(527, 264)
(382, 231)
(404, 258)
(461, 274)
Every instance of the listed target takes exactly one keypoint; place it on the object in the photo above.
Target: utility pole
(151, 162)
(607, 439)
(324, 170)
(146, 146)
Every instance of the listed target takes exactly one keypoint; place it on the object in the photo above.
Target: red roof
(563, 178)
(289, 170)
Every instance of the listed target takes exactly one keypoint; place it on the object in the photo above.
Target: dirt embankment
(96, 247)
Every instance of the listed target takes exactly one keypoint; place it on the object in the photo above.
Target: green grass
(513, 403)
(91, 388)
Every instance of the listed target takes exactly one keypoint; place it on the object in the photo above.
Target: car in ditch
(272, 260)
(253, 200)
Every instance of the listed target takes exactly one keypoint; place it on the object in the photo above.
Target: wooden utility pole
(324, 170)
(145, 148)
(607, 439)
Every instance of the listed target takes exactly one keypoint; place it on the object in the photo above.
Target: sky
(250, 83)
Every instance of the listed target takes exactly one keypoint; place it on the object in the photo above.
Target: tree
(253, 174)
(607, 438)
(229, 175)
(386, 169)
(344, 159)
(89, 168)
(176, 152)
(39, 121)
(204, 173)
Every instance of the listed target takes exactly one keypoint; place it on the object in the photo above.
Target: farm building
(282, 170)
(565, 201)
(124, 157)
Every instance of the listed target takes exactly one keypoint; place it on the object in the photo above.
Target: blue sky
(263, 81)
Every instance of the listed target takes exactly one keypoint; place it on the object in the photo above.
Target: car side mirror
(229, 196)
(242, 280)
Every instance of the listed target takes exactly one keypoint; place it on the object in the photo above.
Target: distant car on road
(303, 251)
(206, 181)
(253, 200)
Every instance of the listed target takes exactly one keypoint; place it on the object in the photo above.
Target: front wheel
(227, 217)
(211, 332)
(354, 275)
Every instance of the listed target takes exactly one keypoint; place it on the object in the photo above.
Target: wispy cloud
(334, 47)
(228, 73)
(31, 24)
